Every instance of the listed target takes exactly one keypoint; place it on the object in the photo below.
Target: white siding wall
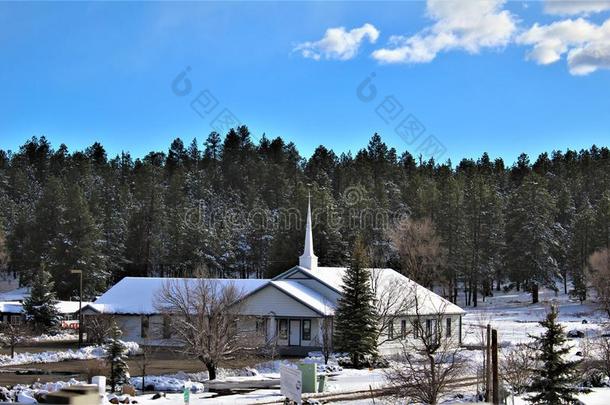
(396, 345)
(271, 300)
(130, 326)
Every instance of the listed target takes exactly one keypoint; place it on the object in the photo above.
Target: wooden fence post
(488, 364)
(494, 367)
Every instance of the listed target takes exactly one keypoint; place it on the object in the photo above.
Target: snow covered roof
(69, 307)
(138, 295)
(389, 280)
(11, 307)
(64, 307)
(306, 295)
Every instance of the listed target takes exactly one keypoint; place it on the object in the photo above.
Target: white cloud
(338, 43)
(589, 58)
(587, 45)
(575, 7)
(459, 25)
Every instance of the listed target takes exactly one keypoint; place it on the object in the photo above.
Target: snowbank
(27, 394)
(60, 337)
(85, 353)
(174, 383)
(332, 368)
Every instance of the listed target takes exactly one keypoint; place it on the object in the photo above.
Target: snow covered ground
(348, 380)
(510, 313)
(85, 353)
(60, 337)
(515, 318)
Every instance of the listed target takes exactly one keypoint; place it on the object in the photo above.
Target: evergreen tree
(3, 250)
(116, 357)
(81, 248)
(530, 239)
(554, 381)
(564, 228)
(46, 228)
(355, 321)
(449, 228)
(602, 222)
(40, 307)
(581, 247)
(129, 217)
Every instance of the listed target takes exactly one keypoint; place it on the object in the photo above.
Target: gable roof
(288, 274)
(137, 295)
(305, 295)
(428, 302)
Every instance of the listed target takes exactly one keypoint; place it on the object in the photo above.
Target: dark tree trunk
(534, 293)
(211, 370)
(475, 293)
(143, 373)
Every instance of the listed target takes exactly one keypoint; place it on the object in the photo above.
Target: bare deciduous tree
(429, 361)
(145, 359)
(600, 356)
(206, 320)
(98, 328)
(393, 300)
(516, 367)
(13, 334)
(479, 329)
(419, 249)
(326, 337)
(599, 269)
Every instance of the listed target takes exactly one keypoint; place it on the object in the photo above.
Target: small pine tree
(554, 381)
(116, 357)
(40, 307)
(355, 321)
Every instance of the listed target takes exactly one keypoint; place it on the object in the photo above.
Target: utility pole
(494, 361)
(80, 307)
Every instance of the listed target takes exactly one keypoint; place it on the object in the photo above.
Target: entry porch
(296, 335)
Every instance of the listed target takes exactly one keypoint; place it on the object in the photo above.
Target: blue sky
(85, 72)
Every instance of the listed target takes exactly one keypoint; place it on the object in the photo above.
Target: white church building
(293, 308)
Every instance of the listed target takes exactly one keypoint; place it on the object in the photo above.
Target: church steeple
(308, 259)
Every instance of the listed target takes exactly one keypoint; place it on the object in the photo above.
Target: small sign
(187, 395)
(291, 383)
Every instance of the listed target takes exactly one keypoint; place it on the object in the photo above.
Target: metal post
(494, 361)
(80, 307)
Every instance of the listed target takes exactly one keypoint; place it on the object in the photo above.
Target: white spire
(308, 259)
